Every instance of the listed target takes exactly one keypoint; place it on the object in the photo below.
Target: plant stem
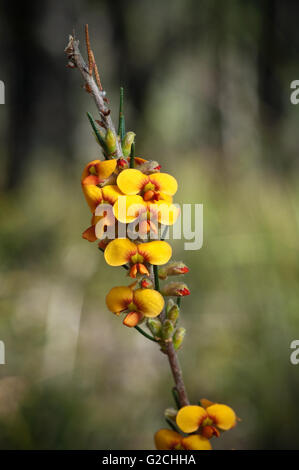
(75, 58)
(172, 356)
(145, 334)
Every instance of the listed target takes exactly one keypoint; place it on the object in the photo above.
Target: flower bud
(173, 269)
(177, 289)
(173, 314)
(169, 305)
(178, 337)
(155, 326)
(146, 283)
(127, 143)
(170, 413)
(167, 330)
(110, 141)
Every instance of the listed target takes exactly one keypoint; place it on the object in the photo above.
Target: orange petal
(119, 251)
(196, 442)
(156, 252)
(149, 302)
(166, 439)
(222, 415)
(190, 417)
(132, 319)
(88, 169)
(89, 234)
(131, 181)
(165, 183)
(118, 298)
(127, 208)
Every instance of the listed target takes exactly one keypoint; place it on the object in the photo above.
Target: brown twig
(177, 374)
(76, 60)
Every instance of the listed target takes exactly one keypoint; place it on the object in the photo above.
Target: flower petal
(127, 208)
(93, 195)
(166, 183)
(223, 416)
(89, 234)
(119, 251)
(167, 212)
(190, 417)
(105, 168)
(111, 193)
(156, 252)
(196, 442)
(132, 319)
(131, 181)
(88, 169)
(149, 302)
(166, 439)
(118, 298)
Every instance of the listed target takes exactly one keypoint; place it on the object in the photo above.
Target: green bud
(155, 326)
(167, 330)
(170, 413)
(169, 305)
(127, 143)
(178, 337)
(110, 140)
(173, 314)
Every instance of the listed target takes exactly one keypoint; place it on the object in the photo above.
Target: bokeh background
(208, 95)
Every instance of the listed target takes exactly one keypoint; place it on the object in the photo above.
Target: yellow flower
(152, 187)
(138, 303)
(192, 417)
(94, 173)
(166, 439)
(150, 213)
(122, 251)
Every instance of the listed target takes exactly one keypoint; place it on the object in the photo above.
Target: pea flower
(137, 303)
(122, 251)
(167, 439)
(209, 420)
(95, 173)
(152, 187)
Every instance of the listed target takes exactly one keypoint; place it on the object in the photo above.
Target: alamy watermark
(159, 221)
(294, 357)
(2, 352)
(2, 92)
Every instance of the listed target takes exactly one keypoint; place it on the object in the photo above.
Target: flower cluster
(135, 203)
(199, 423)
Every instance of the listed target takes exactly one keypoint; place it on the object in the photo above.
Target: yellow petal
(165, 183)
(196, 442)
(149, 302)
(156, 252)
(119, 251)
(93, 195)
(111, 193)
(106, 168)
(167, 212)
(166, 439)
(222, 415)
(131, 181)
(190, 417)
(118, 298)
(127, 208)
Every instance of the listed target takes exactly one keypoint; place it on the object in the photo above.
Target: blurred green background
(208, 94)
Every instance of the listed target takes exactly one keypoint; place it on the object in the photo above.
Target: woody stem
(75, 58)
(172, 356)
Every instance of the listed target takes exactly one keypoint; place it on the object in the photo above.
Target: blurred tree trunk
(25, 59)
